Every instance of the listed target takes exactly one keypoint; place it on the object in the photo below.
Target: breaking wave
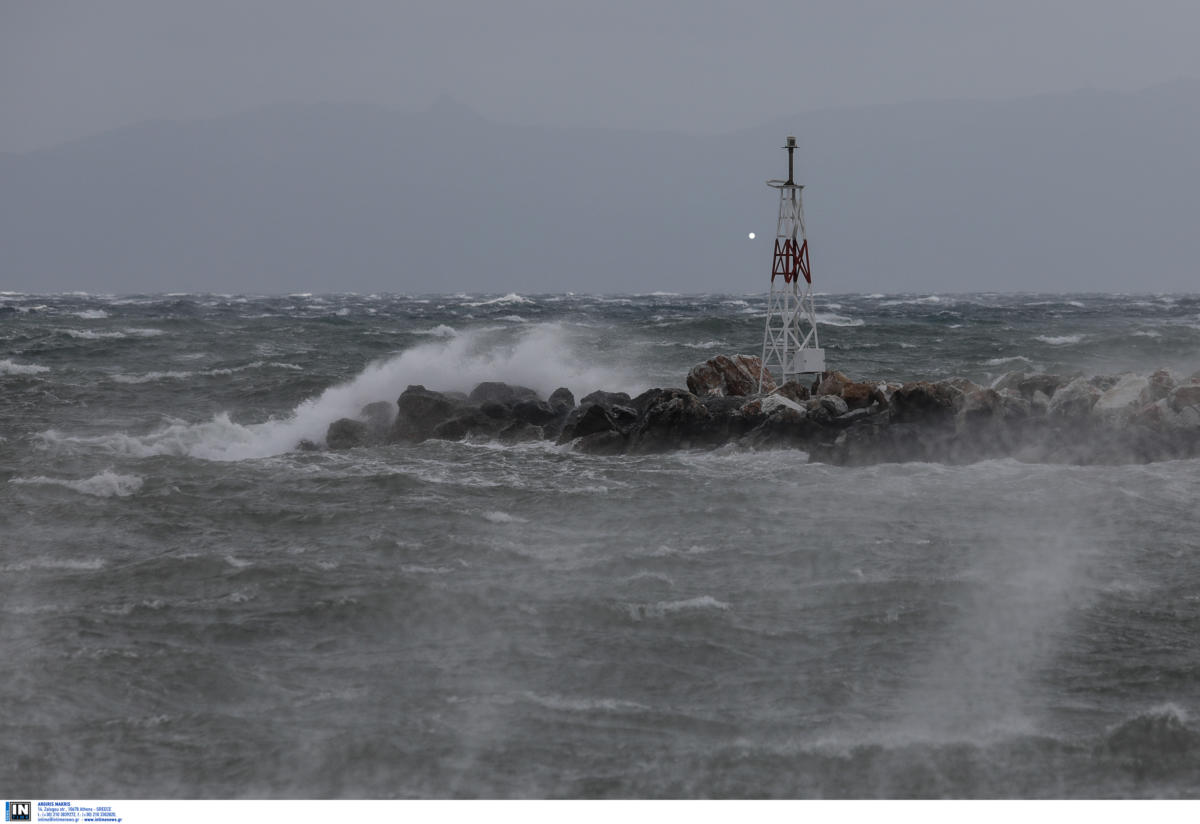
(540, 357)
(107, 484)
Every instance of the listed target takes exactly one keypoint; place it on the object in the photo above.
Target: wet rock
(1159, 385)
(1122, 400)
(534, 412)
(588, 419)
(347, 433)
(729, 376)
(499, 392)
(1184, 396)
(678, 421)
(419, 410)
(306, 445)
(605, 399)
(562, 399)
(1046, 384)
(1073, 401)
(378, 416)
(924, 402)
(794, 391)
(829, 383)
(826, 407)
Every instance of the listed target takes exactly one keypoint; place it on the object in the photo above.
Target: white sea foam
(149, 377)
(107, 484)
(1147, 334)
(91, 314)
(660, 609)
(512, 318)
(502, 518)
(440, 331)
(830, 319)
(90, 334)
(540, 358)
(1002, 361)
(563, 703)
(510, 298)
(1059, 340)
(7, 367)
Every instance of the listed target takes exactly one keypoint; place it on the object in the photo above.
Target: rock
(419, 411)
(378, 417)
(725, 376)
(826, 407)
(1159, 385)
(1073, 401)
(983, 406)
(498, 392)
(829, 383)
(605, 399)
(924, 402)
(306, 445)
(535, 412)
(679, 421)
(861, 395)
(794, 391)
(587, 420)
(454, 429)
(651, 397)
(562, 399)
(1009, 380)
(962, 385)
(1046, 384)
(624, 416)
(1182, 397)
(347, 433)
(1118, 405)
(784, 426)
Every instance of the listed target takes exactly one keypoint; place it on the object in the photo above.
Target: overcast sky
(69, 69)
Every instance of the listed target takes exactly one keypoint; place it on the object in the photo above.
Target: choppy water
(188, 608)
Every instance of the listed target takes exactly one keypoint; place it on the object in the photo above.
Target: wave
(563, 703)
(106, 484)
(1002, 361)
(830, 319)
(511, 298)
(7, 367)
(540, 357)
(89, 334)
(660, 609)
(440, 331)
(149, 377)
(1059, 340)
(91, 314)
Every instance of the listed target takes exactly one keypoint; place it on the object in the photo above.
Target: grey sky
(69, 69)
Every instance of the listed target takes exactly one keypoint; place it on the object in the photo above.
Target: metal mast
(790, 345)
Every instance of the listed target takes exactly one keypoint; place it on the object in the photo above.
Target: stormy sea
(190, 607)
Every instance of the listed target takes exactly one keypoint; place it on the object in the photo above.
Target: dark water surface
(190, 608)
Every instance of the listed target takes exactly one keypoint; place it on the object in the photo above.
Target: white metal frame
(790, 344)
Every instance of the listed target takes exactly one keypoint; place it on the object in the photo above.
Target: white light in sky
(752, 235)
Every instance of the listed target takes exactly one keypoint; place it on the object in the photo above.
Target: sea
(190, 607)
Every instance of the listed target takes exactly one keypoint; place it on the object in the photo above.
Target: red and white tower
(790, 345)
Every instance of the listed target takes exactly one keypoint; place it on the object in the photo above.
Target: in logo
(17, 811)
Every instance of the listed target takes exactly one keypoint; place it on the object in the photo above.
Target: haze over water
(199, 610)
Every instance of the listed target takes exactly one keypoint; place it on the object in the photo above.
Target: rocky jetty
(1125, 418)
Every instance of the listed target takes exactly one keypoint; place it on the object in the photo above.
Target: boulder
(603, 443)
(605, 399)
(562, 399)
(587, 420)
(419, 410)
(499, 392)
(825, 408)
(1073, 401)
(1185, 396)
(794, 391)
(347, 433)
(535, 412)
(729, 376)
(1046, 384)
(1159, 385)
(679, 421)
(924, 402)
(859, 395)
(1122, 400)
(829, 383)
(378, 417)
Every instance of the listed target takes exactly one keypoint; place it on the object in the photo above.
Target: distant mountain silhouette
(1087, 191)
